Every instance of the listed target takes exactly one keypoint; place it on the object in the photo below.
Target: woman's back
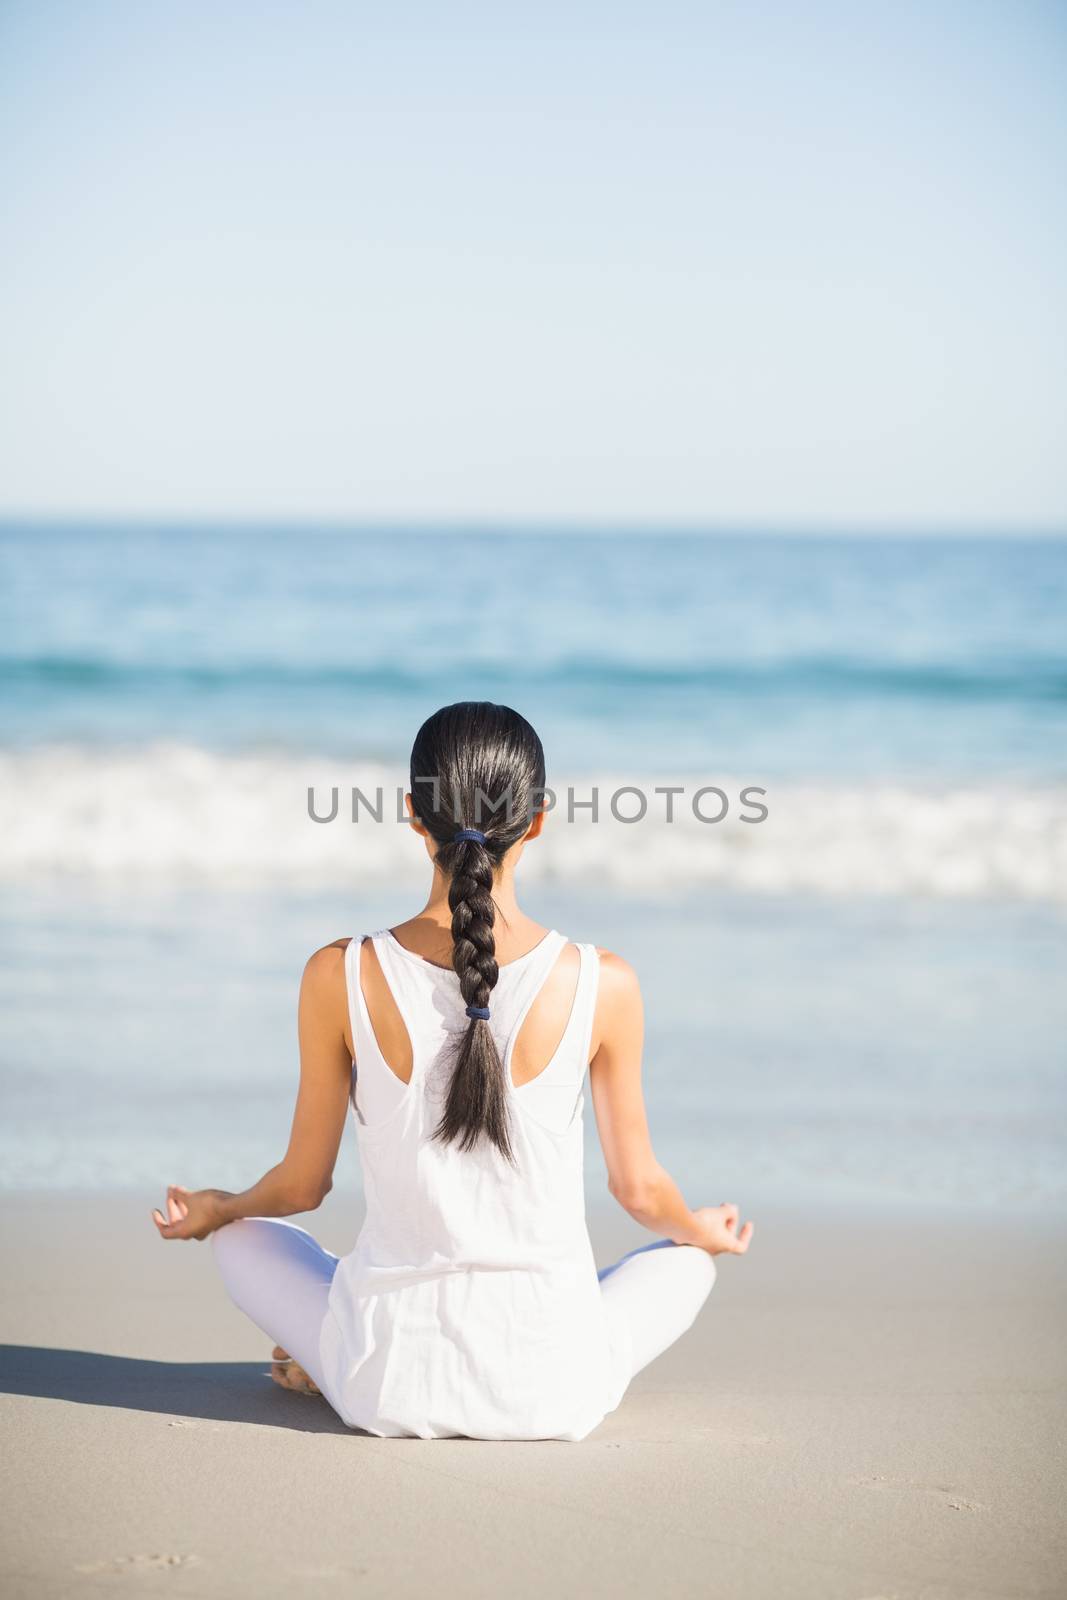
(470, 1302)
(475, 1267)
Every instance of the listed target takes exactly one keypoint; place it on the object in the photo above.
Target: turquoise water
(783, 657)
(857, 999)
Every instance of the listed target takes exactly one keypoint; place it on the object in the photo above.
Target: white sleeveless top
(470, 1304)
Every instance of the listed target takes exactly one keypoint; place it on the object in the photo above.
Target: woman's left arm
(304, 1176)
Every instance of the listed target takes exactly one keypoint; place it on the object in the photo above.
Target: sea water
(854, 997)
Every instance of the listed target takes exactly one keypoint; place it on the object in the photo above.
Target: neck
(437, 909)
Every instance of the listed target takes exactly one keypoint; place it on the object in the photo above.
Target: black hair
(481, 766)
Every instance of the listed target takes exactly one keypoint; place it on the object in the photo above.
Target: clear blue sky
(797, 264)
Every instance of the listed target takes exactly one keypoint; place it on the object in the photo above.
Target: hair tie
(478, 1013)
(468, 836)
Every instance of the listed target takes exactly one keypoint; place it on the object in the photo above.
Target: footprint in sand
(953, 1500)
(139, 1563)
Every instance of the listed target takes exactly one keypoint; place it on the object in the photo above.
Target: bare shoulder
(324, 970)
(618, 980)
(619, 1010)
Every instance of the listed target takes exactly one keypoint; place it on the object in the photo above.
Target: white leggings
(280, 1277)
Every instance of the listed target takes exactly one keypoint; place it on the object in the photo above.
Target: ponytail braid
(476, 1103)
(477, 766)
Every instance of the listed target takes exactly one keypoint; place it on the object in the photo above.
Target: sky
(709, 264)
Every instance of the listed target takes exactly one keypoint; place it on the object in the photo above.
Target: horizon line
(517, 526)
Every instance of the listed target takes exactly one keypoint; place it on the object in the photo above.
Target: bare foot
(289, 1374)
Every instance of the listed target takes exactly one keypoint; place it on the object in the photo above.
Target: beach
(855, 1015)
(667, 392)
(868, 1408)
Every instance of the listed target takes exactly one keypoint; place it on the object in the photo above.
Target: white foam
(169, 813)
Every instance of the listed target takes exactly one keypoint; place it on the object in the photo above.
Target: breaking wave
(171, 813)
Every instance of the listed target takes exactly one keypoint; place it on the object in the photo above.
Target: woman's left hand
(191, 1213)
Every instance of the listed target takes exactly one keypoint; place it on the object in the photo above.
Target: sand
(868, 1409)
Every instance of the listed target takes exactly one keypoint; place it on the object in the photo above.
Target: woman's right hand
(191, 1213)
(719, 1233)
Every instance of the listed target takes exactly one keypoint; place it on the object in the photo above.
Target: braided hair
(476, 768)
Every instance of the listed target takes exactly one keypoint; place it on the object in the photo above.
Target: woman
(470, 1304)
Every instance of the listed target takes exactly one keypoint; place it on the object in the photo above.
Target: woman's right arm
(304, 1176)
(635, 1178)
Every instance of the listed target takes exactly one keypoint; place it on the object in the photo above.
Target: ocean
(853, 977)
